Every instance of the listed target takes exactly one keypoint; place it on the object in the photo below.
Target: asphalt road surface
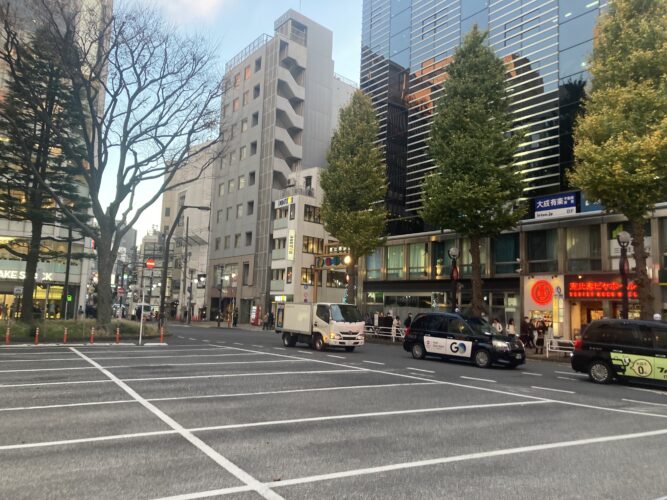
(232, 414)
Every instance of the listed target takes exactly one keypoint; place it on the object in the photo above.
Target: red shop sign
(593, 289)
(542, 292)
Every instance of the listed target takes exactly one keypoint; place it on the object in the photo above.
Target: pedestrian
(235, 317)
(541, 330)
(497, 325)
(408, 321)
(525, 331)
(265, 321)
(395, 326)
(511, 329)
(271, 320)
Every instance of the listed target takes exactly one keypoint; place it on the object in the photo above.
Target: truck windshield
(345, 313)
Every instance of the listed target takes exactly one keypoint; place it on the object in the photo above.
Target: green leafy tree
(355, 184)
(474, 188)
(37, 101)
(621, 141)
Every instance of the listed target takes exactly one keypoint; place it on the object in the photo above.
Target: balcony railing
(277, 285)
(278, 253)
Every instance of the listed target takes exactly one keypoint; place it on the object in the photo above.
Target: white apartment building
(279, 110)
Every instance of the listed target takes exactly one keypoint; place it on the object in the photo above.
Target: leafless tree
(146, 94)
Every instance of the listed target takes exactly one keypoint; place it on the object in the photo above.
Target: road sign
(18, 290)
(150, 263)
(120, 291)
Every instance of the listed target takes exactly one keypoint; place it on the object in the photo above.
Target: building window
(254, 119)
(232, 131)
(218, 216)
(312, 245)
(465, 259)
(217, 243)
(221, 189)
(237, 80)
(584, 251)
(236, 104)
(244, 125)
(245, 274)
(251, 179)
(505, 253)
(225, 110)
(229, 213)
(258, 64)
(336, 279)
(246, 72)
(237, 240)
(277, 274)
(239, 210)
(281, 213)
(231, 185)
(279, 243)
(253, 148)
(246, 97)
(167, 211)
(248, 238)
(311, 214)
(232, 157)
(292, 211)
(288, 275)
(374, 265)
(243, 153)
(308, 276)
(542, 251)
(395, 262)
(255, 91)
(226, 242)
(250, 208)
(241, 182)
(418, 260)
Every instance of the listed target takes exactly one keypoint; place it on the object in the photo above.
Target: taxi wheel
(349, 348)
(289, 340)
(418, 351)
(482, 358)
(318, 343)
(600, 372)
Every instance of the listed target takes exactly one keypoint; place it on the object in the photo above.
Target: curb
(60, 344)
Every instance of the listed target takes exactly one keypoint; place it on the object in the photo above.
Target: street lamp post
(623, 239)
(220, 296)
(165, 255)
(454, 275)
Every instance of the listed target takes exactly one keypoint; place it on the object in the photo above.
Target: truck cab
(320, 325)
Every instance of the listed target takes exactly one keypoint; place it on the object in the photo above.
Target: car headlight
(501, 345)
(332, 335)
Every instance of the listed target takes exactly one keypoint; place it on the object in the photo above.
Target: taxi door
(660, 360)
(633, 353)
(434, 334)
(459, 339)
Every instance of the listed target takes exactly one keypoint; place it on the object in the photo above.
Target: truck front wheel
(289, 340)
(318, 343)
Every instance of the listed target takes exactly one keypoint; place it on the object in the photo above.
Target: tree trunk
(641, 275)
(477, 306)
(105, 263)
(30, 270)
(351, 284)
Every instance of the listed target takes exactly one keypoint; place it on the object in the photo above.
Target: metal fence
(562, 346)
(385, 332)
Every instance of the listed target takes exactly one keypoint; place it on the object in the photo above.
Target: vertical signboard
(291, 244)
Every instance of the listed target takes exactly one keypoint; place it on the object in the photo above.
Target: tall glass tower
(406, 48)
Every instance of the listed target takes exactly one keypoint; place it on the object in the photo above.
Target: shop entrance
(582, 313)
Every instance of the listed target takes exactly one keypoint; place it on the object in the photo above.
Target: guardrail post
(161, 334)
(37, 336)
(65, 336)
(117, 335)
(92, 334)
(8, 332)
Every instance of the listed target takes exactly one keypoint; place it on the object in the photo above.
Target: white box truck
(320, 325)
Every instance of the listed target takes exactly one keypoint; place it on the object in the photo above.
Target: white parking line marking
(365, 415)
(223, 462)
(531, 373)
(280, 348)
(220, 492)
(571, 374)
(47, 369)
(68, 405)
(112, 437)
(644, 402)
(462, 458)
(37, 360)
(305, 352)
(549, 389)
(420, 370)
(161, 356)
(480, 379)
(238, 343)
(37, 384)
(373, 362)
(190, 338)
(662, 393)
(231, 375)
(335, 356)
(260, 346)
(214, 363)
(566, 378)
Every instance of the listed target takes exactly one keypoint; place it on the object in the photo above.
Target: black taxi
(454, 336)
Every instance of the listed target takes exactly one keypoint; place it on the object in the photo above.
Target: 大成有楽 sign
(556, 205)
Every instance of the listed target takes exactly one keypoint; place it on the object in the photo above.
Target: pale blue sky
(233, 24)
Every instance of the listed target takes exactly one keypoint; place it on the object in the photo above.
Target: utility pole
(185, 267)
(67, 266)
(190, 305)
(220, 296)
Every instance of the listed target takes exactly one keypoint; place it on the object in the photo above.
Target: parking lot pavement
(233, 414)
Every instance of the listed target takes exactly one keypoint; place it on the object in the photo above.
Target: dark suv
(453, 336)
(623, 349)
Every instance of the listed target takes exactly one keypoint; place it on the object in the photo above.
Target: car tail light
(578, 344)
(406, 332)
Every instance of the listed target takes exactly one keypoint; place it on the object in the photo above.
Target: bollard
(117, 335)
(36, 336)
(92, 334)
(7, 334)
(65, 336)
(161, 334)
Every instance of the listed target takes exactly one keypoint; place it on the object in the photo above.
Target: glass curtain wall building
(407, 46)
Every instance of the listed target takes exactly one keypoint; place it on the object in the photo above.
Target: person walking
(511, 329)
(235, 317)
(270, 320)
(541, 329)
(497, 325)
(265, 321)
(525, 332)
(395, 327)
(408, 321)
